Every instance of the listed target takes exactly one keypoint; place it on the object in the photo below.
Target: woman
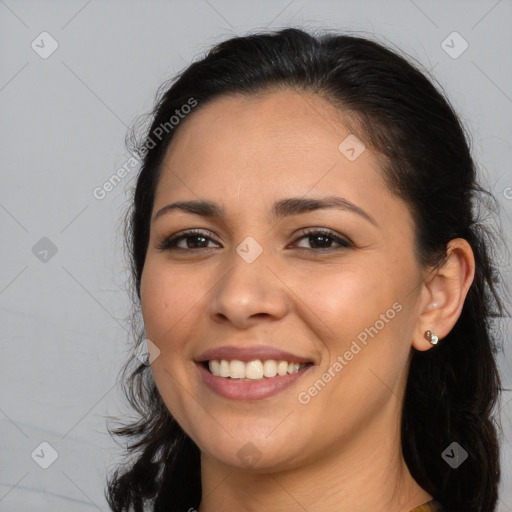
(315, 290)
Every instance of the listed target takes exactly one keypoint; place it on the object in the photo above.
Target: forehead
(248, 153)
(276, 138)
(283, 117)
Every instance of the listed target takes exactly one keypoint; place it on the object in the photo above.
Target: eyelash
(170, 243)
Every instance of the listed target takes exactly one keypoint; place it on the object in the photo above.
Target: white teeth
(293, 367)
(253, 370)
(223, 368)
(237, 369)
(214, 367)
(282, 368)
(270, 368)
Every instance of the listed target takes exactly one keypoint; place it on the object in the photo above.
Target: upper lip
(246, 354)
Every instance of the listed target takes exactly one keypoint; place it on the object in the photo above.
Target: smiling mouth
(257, 369)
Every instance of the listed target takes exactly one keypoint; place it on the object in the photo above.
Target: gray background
(64, 118)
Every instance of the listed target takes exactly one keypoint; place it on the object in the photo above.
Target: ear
(443, 293)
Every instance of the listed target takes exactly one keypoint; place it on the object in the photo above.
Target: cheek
(361, 312)
(167, 297)
(360, 315)
(168, 300)
(345, 298)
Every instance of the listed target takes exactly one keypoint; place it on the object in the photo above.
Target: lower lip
(247, 390)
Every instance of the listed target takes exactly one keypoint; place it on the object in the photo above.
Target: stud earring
(431, 337)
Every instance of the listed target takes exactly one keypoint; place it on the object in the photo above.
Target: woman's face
(273, 274)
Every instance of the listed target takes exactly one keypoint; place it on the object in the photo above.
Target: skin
(341, 451)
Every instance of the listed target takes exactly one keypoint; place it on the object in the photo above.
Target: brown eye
(187, 240)
(319, 239)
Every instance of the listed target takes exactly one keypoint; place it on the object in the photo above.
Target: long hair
(453, 388)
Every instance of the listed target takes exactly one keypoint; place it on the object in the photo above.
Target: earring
(431, 337)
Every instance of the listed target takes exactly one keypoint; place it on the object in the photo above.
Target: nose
(248, 292)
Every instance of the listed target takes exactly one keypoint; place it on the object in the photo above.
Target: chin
(249, 457)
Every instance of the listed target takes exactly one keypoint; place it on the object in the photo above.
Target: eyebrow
(280, 209)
